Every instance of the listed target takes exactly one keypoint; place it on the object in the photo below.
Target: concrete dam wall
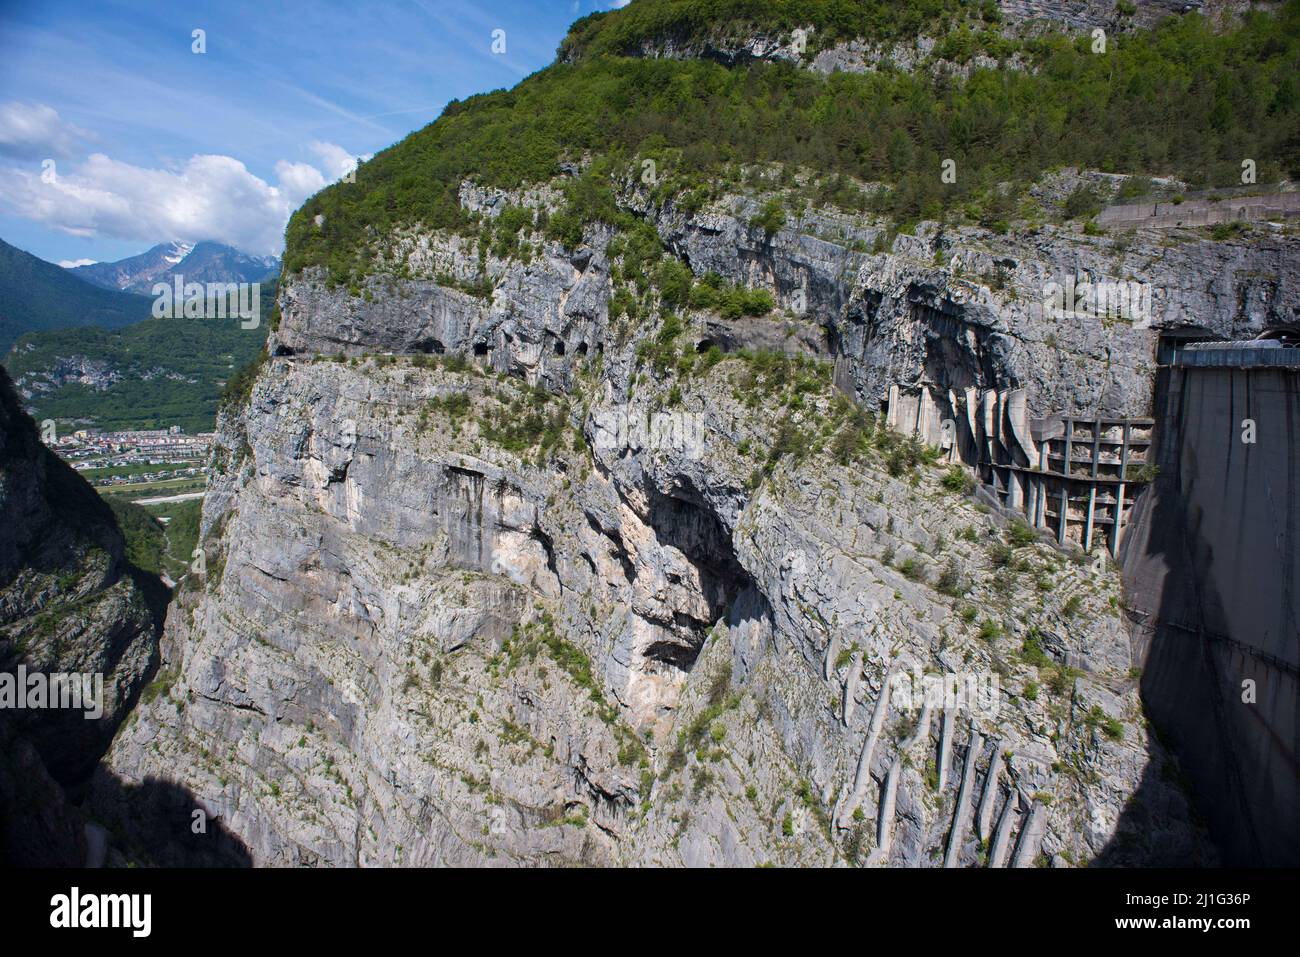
(1212, 576)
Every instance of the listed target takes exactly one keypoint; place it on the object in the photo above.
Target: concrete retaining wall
(1202, 212)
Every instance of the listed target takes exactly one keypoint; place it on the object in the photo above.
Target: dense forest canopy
(1181, 100)
(623, 32)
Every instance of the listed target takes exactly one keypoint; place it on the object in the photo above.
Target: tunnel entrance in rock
(429, 346)
(684, 522)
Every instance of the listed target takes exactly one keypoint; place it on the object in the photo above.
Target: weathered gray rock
(69, 606)
(386, 661)
(433, 633)
(954, 307)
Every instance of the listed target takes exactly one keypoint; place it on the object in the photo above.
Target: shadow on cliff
(51, 771)
(102, 820)
(682, 520)
(1156, 567)
(1183, 684)
(1159, 826)
(70, 746)
(158, 823)
(56, 524)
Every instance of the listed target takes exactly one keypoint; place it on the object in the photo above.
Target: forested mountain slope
(36, 295)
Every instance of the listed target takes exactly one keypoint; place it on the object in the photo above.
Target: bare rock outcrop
(70, 606)
(528, 604)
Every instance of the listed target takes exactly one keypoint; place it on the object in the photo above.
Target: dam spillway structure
(1081, 487)
(1212, 578)
(1075, 477)
(1200, 504)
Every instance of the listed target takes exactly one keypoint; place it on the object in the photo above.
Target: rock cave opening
(683, 521)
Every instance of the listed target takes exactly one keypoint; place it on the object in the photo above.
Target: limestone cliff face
(69, 604)
(540, 588)
(944, 308)
(954, 307)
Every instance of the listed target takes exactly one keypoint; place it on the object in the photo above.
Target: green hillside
(155, 546)
(622, 32)
(37, 295)
(1181, 100)
(173, 371)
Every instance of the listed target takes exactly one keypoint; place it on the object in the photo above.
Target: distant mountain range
(36, 295)
(83, 347)
(200, 262)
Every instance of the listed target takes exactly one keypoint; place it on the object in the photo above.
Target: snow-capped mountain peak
(195, 262)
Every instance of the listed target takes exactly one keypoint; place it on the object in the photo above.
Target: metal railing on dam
(1256, 354)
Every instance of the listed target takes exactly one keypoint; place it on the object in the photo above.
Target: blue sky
(115, 135)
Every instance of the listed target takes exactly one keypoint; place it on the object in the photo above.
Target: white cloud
(299, 180)
(74, 263)
(36, 131)
(337, 161)
(209, 197)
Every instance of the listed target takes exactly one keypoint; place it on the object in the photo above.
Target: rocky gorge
(71, 605)
(658, 539)
(422, 639)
